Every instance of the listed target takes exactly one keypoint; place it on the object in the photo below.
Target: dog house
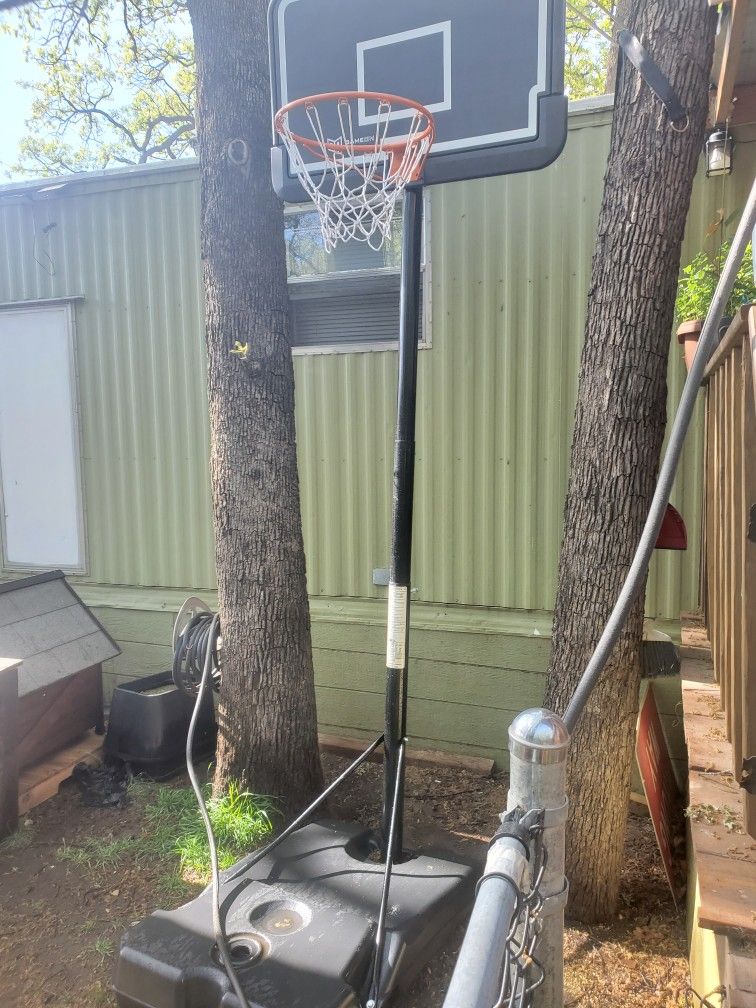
(60, 647)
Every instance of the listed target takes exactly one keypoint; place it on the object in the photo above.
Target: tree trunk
(622, 12)
(268, 730)
(619, 427)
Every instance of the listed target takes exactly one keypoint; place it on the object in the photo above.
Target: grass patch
(98, 996)
(240, 820)
(173, 888)
(19, 840)
(174, 830)
(99, 853)
(103, 948)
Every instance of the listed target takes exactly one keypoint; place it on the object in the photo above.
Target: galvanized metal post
(476, 981)
(538, 743)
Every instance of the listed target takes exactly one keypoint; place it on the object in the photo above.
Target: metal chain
(522, 973)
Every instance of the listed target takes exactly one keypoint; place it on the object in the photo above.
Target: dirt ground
(60, 923)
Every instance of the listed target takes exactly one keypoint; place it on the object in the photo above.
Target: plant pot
(149, 721)
(689, 333)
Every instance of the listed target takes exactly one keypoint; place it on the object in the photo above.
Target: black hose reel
(193, 633)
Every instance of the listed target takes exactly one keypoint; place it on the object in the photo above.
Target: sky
(15, 102)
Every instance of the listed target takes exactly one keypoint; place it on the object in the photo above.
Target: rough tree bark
(268, 731)
(622, 11)
(619, 427)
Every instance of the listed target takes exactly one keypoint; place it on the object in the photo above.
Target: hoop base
(301, 923)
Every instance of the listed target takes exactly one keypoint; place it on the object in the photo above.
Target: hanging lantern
(719, 150)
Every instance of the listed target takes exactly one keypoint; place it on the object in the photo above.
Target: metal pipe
(476, 980)
(538, 744)
(636, 575)
(397, 632)
(375, 1000)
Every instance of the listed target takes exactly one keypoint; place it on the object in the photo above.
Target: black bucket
(148, 725)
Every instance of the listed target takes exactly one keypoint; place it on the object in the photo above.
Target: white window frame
(82, 567)
(343, 279)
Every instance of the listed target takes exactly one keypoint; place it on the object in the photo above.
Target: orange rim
(393, 147)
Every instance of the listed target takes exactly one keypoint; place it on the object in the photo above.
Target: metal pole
(476, 981)
(538, 743)
(397, 636)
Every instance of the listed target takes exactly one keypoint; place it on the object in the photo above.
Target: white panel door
(42, 522)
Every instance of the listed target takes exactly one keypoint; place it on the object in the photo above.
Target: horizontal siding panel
(500, 755)
(453, 705)
(438, 721)
(500, 689)
(137, 626)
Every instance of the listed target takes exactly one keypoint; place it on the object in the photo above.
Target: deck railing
(729, 572)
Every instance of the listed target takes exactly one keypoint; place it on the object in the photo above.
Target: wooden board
(727, 886)
(8, 750)
(725, 856)
(418, 757)
(58, 714)
(659, 786)
(728, 72)
(41, 781)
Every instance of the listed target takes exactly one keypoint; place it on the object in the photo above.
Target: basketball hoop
(356, 178)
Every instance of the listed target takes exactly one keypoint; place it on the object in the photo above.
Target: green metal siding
(510, 267)
(132, 251)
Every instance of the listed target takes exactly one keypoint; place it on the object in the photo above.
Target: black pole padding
(397, 637)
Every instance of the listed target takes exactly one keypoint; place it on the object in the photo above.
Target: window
(40, 485)
(347, 299)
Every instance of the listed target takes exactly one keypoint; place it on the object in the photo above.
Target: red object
(672, 534)
(659, 784)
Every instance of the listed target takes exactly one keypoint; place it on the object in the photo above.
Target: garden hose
(198, 633)
(205, 636)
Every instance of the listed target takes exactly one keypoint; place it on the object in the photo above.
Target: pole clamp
(521, 826)
(652, 75)
(557, 901)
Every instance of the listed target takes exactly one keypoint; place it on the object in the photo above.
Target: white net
(355, 177)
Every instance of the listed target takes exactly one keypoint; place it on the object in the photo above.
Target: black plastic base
(301, 926)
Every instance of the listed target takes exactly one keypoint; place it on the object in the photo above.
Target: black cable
(209, 637)
(197, 641)
(197, 647)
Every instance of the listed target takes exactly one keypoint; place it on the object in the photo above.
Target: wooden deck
(724, 855)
